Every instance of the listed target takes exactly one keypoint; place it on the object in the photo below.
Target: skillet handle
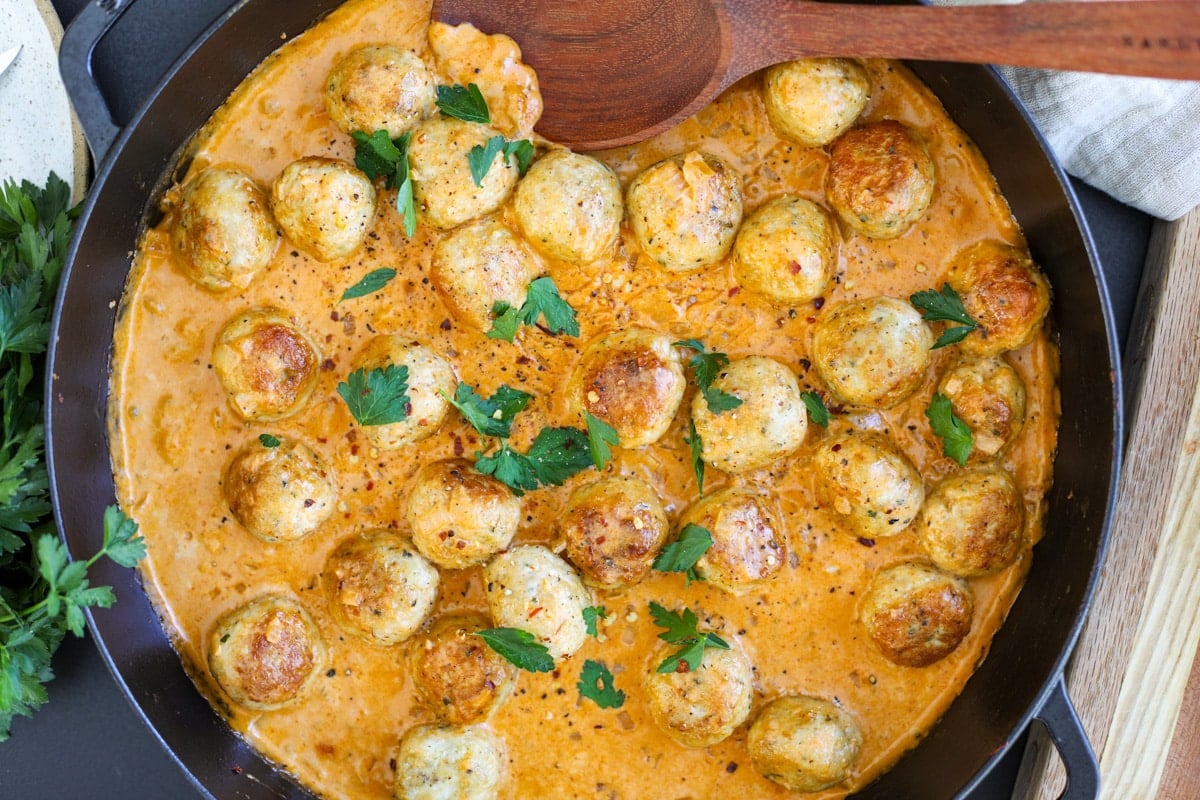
(75, 63)
(1066, 732)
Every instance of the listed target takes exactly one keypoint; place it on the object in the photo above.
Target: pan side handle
(75, 63)
(1066, 732)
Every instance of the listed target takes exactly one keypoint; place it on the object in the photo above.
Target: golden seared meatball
(429, 375)
(786, 250)
(456, 675)
(224, 233)
(280, 493)
(1003, 291)
(749, 546)
(379, 587)
(803, 743)
(444, 192)
(379, 88)
(867, 483)
(459, 516)
(973, 522)
(266, 364)
(880, 179)
(989, 396)
(915, 613)
(768, 425)
(613, 529)
(685, 210)
(440, 762)
(815, 100)
(569, 206)
(478, 265)
(530, 588)
(324, 205)
(266, 654)
(702, 706)
(631, 379)
(872, 353)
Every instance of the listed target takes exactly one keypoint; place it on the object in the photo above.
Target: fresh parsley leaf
(706, 366)
(523, 150)
(601, 436)
(493, 416)
(683, 629)
(541, 300)
(505, 321)
(267, 440)
(511, 468)
(371, 282)
(463, 102)
(944, 307)
(379, 156)
(482, 156)
(817, 411)
(121, 542)
(682, 554)
(591, 617)
(378, 397)
(956, 436)
(596, 683)
(559, 453)
(692, 440)
(519, 647)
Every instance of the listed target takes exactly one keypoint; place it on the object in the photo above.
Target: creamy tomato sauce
(173, 432)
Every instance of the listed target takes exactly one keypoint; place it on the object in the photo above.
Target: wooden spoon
(614, 72)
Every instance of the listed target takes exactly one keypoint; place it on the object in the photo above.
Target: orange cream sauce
(173, 432)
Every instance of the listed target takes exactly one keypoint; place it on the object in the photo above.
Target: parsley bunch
(42, 593)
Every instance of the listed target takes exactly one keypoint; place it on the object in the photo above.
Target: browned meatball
(880, 178)
(431, 380)
(444, 191)
(324, 205)
(703, 706)
(749, 546)
(1003, 291)
(455, 673)
(379, 88)
(787, 250)
(613, 529)
(478, 265)
(867, 483)
(973, 522)
(266, 653)
(989, 396)
(803, 743)
(916, 614)
(460, 517)
(437, 762)
(814, 100)
(280, 493)
(267, 365)
(569, 206)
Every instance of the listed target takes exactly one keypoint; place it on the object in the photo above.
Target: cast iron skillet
(1020, 680)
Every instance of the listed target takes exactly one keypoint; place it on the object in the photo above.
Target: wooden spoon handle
(1159, 38)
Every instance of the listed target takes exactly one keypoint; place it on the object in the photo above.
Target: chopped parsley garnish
(706, 366)
(956, 436)
(692, 440)
(601, 436)
(944, 307)
(541, 300)
(683, 629)
(591, 616)
(371, 282)
(682, 554)
(481, 157)
(378, 397)
(380, 156)
(596, 683)
(463, 102)
(555, 455)
(817, 410)
(267, 440)
(492, 416)
(519, 647)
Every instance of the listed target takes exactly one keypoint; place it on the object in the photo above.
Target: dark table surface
(88, 741)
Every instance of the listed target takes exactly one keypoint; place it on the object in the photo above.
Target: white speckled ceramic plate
(38, 131)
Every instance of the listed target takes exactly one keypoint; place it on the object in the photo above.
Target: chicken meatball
(880, 179)
(379, 587)
(872, 353)
(481, 264)
(989, 396)
(1004, 292)
(613, 530)
(815, 100)
(569, 206)
(429, 375)
(530, 588)
(748, 547)
(324, 205)
(460, 517)
(445, 193)
(631, 379)
(266, 364)
(266, 654)
(803, 743)
(279, 493)
(456, 675)
(769, 424)
(867, 484)
(973, 522)
(685, 210)
(786, 250)
(379, 88)
(702, 706)
(440, 762)
(224, 232)
(915, 613)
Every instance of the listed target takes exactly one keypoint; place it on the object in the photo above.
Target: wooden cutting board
(1134, 678)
